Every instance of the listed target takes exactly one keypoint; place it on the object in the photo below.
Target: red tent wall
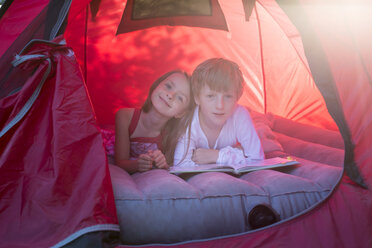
(337, 56)
(120, 69)
(128, 63)
(269, 49)
(16, 19)
(346, 42)
(54, 187)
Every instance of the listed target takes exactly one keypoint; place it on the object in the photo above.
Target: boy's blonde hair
(219, 74)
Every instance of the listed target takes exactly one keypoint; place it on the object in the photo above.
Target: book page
(264, 164)
(236, 168)
(201, 168)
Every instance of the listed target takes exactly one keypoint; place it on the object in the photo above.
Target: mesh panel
(143, 9)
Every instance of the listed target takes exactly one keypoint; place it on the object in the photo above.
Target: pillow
(269, 142)
(306, 132)
(260, 118)
(268, 139)
(312, 151)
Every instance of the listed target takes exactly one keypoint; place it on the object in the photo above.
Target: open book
(270, 163)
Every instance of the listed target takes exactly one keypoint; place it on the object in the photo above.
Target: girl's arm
(122, 145)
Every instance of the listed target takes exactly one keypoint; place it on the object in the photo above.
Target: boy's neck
(210, 130)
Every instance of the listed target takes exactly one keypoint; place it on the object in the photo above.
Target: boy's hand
(239, 146)
(159, 159)
(204, 156)
(144, 162)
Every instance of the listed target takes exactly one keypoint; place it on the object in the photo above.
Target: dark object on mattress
(262, 215)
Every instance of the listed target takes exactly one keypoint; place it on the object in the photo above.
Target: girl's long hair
(174, 128)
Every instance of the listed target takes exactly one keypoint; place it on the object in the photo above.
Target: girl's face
(172, 96)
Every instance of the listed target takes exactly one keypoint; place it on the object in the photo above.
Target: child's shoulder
(241, 113)
(240, 109)
(125, 111)
(124, 115)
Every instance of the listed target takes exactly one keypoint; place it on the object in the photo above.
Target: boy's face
(215, 106)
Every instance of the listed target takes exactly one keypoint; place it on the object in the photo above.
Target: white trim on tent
(18, 60)
(95, 228)
(61, 17)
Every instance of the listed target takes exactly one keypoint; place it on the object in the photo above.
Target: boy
(222, 131)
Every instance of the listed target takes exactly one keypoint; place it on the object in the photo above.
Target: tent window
(143, 9)
(142, 14)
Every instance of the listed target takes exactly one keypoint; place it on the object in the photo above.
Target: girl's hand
(144, 162)
(204, 156)
(159, 159)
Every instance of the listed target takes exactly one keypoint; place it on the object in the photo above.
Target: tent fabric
(46, 24)
(134, 60)
(201, 13)
(16, 19)
(351, 76)
(270, 50)
(56, 19)
(54, 187)
(16, 38)
(348, 71)
(325, 82)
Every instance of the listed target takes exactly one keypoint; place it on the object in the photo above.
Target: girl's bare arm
(122, 145)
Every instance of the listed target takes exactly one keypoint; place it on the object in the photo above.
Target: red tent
(307, 61)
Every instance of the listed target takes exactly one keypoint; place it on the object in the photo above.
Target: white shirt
(237, 128)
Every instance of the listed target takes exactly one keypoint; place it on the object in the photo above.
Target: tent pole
(262, 60)
(85, 44)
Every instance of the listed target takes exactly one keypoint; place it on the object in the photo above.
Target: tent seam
(280, 27)
(262, 60)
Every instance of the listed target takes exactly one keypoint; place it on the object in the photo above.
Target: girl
(146, 138)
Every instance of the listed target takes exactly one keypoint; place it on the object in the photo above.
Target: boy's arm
(183, 152)
(230, 155)
(205, 156)
(250, 146)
